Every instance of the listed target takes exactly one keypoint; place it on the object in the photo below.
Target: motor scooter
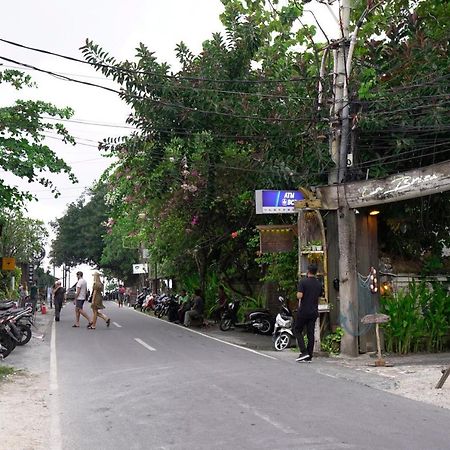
(140, 299)
(259, 321)
(283, 330)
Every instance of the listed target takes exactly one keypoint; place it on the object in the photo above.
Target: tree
(210, 135)
(22, 238)
(22, 151)
(401, 90)
(79, 233)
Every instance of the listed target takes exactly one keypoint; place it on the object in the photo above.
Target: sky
(117, 26)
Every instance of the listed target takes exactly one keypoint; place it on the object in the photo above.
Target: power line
(162, 102)
(146, 72)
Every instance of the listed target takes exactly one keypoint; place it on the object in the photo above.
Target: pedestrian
(121, 295)
(97, 302)
(197, 309)
(58, 298)
(80, 298)
(23, 294)
(308, 293)
(34, 292)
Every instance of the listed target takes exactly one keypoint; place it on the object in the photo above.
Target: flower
(234, 235)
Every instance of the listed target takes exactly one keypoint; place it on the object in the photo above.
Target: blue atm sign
(276, 202)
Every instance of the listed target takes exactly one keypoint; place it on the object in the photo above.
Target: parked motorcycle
(17, 324)
(140, 299)
(259, 321)
(283, 330)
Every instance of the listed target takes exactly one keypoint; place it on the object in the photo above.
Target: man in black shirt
(308, 293)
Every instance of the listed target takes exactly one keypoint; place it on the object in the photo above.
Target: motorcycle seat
(6, 305)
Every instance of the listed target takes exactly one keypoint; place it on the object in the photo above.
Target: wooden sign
(276, 238)
(421, 182)
(8, 263)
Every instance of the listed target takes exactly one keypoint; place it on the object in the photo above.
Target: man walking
(308, 293)
(80, 297)
(58, 299)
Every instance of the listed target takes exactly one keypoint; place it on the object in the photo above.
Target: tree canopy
(22, 151)
(243, 114)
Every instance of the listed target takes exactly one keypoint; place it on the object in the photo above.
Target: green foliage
(79, 233)
(401, 78)
(22, 237)
(418, 230)
(7, 292)
(331, 343)
(419, 319)
(281, 268)
(22, 151)
(203, 147)
(5, 371)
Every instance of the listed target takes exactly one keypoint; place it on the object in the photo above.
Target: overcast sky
(118, 26)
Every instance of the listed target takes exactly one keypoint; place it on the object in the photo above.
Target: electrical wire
(162, 102)
(146, 72)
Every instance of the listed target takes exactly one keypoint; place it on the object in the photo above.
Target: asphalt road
(144, 383)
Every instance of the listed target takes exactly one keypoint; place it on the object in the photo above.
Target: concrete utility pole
(339, 144)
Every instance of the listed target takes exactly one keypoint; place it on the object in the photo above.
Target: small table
(377, 319)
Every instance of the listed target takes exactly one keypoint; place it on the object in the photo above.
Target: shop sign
(276, 202)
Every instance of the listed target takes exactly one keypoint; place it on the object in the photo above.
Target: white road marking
(55, 428)
(149, 347)
(212, 337)
(117, 325)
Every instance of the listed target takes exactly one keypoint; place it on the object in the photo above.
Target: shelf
(318, 274)
(312, 252)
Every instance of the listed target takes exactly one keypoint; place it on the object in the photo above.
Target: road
(144, 383)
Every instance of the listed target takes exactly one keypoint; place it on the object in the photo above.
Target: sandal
(90, 327)
(75, 326)
(108, 322)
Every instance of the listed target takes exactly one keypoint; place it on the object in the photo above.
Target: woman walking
(97, 303)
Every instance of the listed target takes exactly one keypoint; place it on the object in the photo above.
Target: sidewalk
(413, 376)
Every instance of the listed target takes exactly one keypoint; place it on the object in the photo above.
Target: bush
(420, 319)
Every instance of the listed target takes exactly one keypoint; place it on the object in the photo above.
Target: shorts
(79, 303)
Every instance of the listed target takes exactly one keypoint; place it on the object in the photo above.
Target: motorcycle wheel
(26, 334)
(282, 341)
(266, 327)
(225, 324)
(9, 344)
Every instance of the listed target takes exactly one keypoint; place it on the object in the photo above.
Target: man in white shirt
(80, 298)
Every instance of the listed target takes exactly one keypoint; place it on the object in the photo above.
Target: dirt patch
(25, 414)
(413, 376)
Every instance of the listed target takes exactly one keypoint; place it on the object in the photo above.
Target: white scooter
(283, 329)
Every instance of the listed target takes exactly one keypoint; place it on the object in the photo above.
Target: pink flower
(234, 235)
(194, 220)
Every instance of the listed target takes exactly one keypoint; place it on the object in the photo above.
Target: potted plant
(316, 245)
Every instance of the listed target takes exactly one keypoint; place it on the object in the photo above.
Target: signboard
(30, 273)
(276, 238)
(8, 263)
(276, 202)
(140, 268)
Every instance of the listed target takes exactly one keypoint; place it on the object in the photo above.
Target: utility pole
(346, 227)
